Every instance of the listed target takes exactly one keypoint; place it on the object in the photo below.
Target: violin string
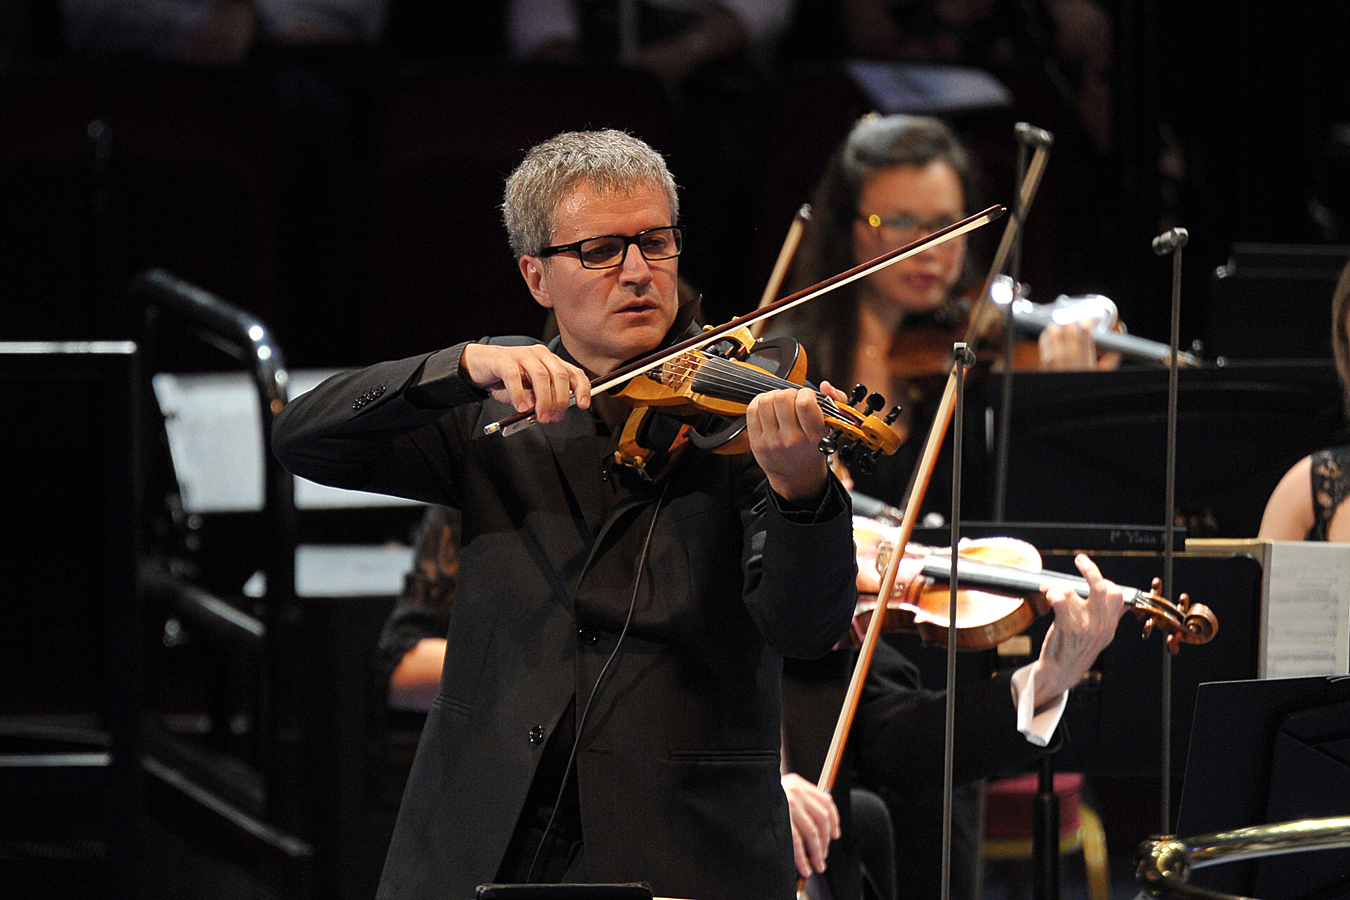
(734, 381)
(980, 573)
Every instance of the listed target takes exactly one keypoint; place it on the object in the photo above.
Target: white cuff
(1037, 727)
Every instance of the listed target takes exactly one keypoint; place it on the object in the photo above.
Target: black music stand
(72, 793)
(1090, 447)
(1270, 751)
(1273, 301)
(629, 891)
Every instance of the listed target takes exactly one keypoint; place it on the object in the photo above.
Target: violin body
(709, 390)
(921, 605)
(922, 353)
(1000, 593)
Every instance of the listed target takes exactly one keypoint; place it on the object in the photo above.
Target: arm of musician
(1289, 511)
(1070, 348)
(785, 429)
(417, 678)
(1082, 628)
(815, 822)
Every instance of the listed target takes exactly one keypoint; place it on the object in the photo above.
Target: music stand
(1089, 446)
(1273, 301)
(1269, 751)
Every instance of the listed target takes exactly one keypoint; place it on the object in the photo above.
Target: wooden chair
(1008, 826)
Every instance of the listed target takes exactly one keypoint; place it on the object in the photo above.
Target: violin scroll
(1183, 621)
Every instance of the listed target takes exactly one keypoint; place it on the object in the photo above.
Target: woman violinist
(1306, 504)
(895, 179)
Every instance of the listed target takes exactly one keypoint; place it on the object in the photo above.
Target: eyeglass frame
(628, 240)
(895, 222)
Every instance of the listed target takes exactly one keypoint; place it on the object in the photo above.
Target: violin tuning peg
(859, 392)
(829, 443)
(867, 463)
(893, 414)
(848, 454)
(874, 403)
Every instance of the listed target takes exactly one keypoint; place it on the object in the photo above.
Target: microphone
(873, 508)
(1169, 240)
(1032, 136)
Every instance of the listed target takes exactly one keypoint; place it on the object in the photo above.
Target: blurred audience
(1068, 40)
(216, 31)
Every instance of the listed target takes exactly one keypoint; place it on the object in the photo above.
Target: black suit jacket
(677, 764)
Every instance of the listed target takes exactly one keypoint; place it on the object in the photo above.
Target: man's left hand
(785, 429)
(1082, 628)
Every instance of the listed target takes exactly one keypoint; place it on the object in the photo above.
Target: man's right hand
(528, 378)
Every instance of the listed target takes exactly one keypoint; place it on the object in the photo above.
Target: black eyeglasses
(610, 250)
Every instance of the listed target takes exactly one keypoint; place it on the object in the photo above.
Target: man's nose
(634, 266)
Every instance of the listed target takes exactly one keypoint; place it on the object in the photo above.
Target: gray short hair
(606, 160)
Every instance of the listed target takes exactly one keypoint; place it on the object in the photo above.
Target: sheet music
(351, 570)
(1305, 619)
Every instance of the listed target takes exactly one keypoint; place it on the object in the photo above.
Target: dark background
(346, 185)
(349, 199)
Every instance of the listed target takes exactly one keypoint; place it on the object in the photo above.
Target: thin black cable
(581, 719)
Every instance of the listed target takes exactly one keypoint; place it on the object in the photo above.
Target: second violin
(1001, 592)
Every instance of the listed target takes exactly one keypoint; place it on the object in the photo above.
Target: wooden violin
(711, 387)
(1001, 592)
(921, 353)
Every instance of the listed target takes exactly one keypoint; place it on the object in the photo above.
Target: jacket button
(587, 636)
(537, 734)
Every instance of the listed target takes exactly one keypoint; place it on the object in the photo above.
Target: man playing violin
(609, 707)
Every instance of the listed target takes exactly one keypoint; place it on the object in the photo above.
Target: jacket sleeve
(371, 430)
(801, 572)
(899, 730)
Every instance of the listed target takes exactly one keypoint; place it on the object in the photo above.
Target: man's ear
(532, 269)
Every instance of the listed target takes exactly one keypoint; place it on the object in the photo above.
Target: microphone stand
(1027, 136)
(1045, 809)
(1170, 241)
(964, 358)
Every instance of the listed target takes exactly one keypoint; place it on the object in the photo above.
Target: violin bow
(923, 474)
(1030, 184)
(518, 421)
